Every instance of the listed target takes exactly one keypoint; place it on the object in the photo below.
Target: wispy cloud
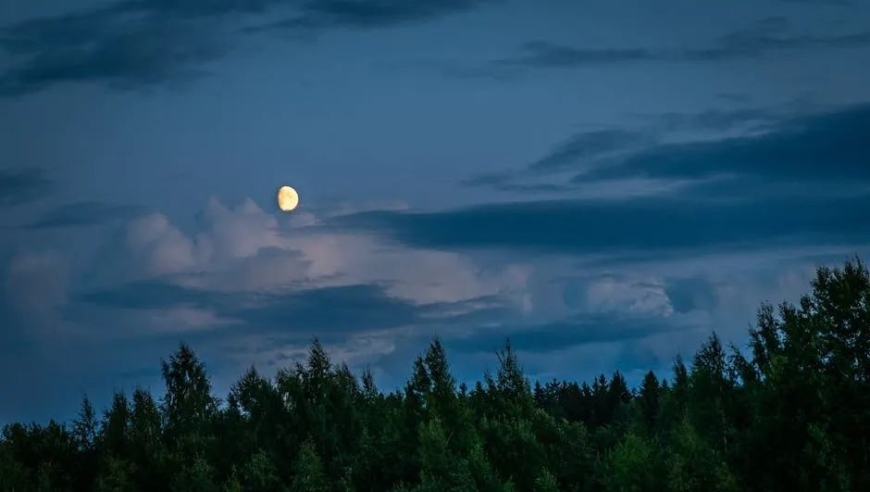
(730, 154)
(136, 44)
(125, 47)
(764, 38)
(86, 213)
(829, 146)
(355, 14)
(21, 185)
(328, 312)
(589, 145)
(569, 332)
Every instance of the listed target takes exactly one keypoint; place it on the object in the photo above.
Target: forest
(790, 411)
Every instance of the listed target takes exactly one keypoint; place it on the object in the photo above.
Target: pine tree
(648, 399)
(188, 404)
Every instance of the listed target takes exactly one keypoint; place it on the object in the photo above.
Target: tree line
(792, 413)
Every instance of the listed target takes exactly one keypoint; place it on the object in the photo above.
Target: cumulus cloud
(255, 287)
(637, 296)
(246, 249)
(159, 247)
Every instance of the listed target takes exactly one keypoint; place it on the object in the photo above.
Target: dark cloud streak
(764, 38)
(587, 227)
(85, 214)
(22, 185)
(122, 50)
(565, 333)
(357, 14)
(138, 44)
(594, 148)
(323, 310)
(785, 150)
(589, 145)
(824, 147)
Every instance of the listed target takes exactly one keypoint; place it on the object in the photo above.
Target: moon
(288, 199)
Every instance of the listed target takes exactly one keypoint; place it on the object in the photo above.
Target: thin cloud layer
(137, 44)
(21, 185)
(764, 38)
(90, 213)
(357, 14)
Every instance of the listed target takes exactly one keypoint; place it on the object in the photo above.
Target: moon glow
(288, 199)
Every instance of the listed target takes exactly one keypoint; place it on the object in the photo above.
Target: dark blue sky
(604, 182)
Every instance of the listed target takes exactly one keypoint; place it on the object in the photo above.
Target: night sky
(603, 182)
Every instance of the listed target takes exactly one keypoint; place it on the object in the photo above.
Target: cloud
(573, 331)
(158, 248)
(125, 49)
(317, 310)
(589, 145)
(360, 14)
(761, 39)
(247, 287)
(244, 286)
(718, 119)
(829, 146)
(542, 54)
(244, 269)
(821, 2)
(689, 294)
(730, 155)
(357, 351)
(245, 248)
(21, 185)
(589, 150)
(640, 296)
(86, 213)
(137, 44)
(653, 225)
(719, 292)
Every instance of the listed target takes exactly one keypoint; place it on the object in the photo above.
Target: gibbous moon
(288, 199)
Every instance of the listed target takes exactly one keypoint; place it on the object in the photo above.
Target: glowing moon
(288, 199)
